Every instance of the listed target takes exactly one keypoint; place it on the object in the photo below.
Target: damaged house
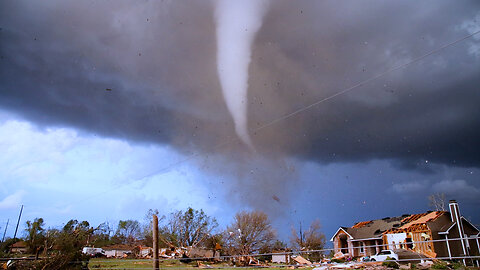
(438, 234)
(364, 238)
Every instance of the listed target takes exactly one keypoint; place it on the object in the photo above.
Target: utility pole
(156, 264)
(18, 222)
(3, 238)
(301, 236)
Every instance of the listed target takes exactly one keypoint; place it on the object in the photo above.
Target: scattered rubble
(372, 266)
(424, 265)
(203, 266)
(342, 256)
(302, 261)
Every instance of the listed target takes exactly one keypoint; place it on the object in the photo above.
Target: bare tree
(311, 239)
(437, 201)
(249, 232)
(128, 231)
(187, 228)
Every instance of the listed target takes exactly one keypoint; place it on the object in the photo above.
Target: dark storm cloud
(145, 71)
(425, 112)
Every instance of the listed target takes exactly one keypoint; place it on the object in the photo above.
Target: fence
(471, 258)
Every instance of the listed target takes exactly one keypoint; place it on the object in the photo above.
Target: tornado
(237, 23)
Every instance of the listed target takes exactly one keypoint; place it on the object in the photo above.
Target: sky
(110, 108)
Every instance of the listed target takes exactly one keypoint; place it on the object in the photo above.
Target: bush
(57, 262)
(338, 260)
(458, 265)
(390, 263)
(5, 246)
(440, 265)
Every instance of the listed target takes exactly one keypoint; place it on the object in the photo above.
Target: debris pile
(301, 261)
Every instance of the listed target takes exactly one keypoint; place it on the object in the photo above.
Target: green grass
(103, 263)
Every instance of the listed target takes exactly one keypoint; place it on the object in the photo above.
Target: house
(144, 251)
(92, 251)
(364, 238)
(198, 252)
(438, 234)
(117, 251)
(281, 256)
(19, 247)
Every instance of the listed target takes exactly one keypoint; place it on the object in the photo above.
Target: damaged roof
(417, 222)
(19, 244)
(376, 228)
(373, 228)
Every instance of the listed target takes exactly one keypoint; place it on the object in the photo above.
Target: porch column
(350, 247)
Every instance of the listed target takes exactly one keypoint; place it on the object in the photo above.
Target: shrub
(458, 265)
(390, 264)
(440, 265)
(5, 247)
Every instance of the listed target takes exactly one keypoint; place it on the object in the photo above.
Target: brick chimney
(454, 210)
(457, 218)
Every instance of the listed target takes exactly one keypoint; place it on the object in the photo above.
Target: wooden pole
(156, 265)
(18, 222)
(8, 220)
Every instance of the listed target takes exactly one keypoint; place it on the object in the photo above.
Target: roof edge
(335, 234)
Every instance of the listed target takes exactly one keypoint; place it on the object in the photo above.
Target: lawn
(103, 263)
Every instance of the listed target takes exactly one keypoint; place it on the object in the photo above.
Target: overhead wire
(295, 112)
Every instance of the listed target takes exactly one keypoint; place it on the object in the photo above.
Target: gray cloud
(410, 187)
(458, 188)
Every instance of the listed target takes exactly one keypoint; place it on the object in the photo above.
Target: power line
(394, 68)
(298, 111)
(305, 108)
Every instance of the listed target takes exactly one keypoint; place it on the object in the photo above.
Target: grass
(103, 263)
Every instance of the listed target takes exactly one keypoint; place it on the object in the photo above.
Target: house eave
(448, 230)
(463, 218)
(335, 234)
